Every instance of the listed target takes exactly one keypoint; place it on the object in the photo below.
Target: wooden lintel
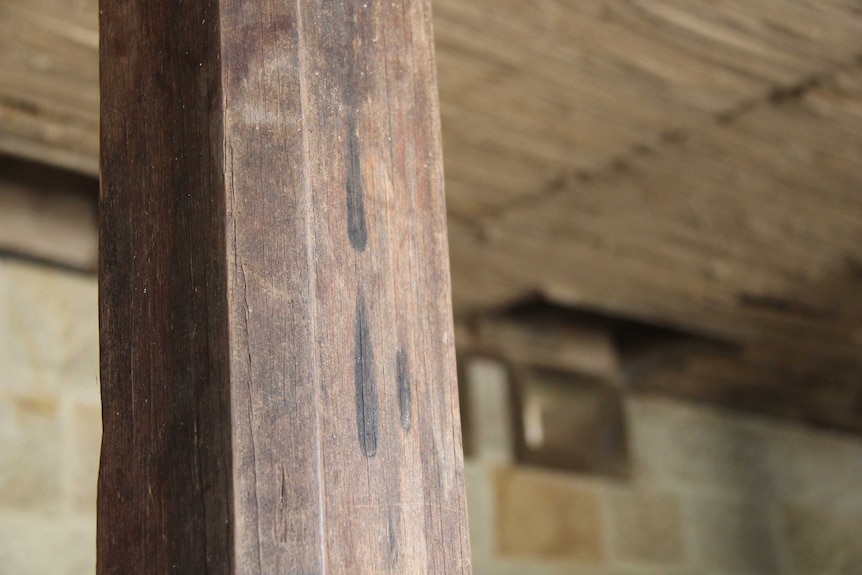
(584, 349)
(48, 215)
(278, 371)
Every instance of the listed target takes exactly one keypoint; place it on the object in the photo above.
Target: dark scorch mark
(366, 389)
(356, 229)
(405, 392)
(393, 544)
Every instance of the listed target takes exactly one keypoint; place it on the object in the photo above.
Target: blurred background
(655, 219)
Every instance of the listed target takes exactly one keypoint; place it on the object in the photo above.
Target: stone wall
(50, 424)
(710, 493)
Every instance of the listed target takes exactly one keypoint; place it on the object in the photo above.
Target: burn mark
(356, 229)
(405, 391)
(393, 543)
(366, 389)
(349, 58)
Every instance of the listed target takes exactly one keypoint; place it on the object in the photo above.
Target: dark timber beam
(278, 370)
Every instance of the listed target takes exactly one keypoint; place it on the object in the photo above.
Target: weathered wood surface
(682, 162)
(49, 82)
(732, 231)
(535, 92)
(277, 344)
(560, 344)
(165, 495)
(685, 164)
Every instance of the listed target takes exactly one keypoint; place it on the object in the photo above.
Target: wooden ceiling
(692, 165)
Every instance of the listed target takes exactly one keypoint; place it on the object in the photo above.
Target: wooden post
(278, 375)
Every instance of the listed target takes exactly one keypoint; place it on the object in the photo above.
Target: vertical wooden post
(278, 373)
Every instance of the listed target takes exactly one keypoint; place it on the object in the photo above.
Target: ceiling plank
(686, 163)
(747, 230)
(49, 82)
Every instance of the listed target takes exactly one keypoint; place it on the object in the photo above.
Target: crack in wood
(620, 163)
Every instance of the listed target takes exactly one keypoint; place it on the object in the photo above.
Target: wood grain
(49, 82)
(652, 239)
(165, 499)
(682, 162)
(278, 358)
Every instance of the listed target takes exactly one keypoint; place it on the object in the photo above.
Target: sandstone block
(30, 452)
(680, 446)
(647, 527)
(547, 516)
(823, 543)
(734, 537)
(41, 545)
(83, 459)
(52, 326)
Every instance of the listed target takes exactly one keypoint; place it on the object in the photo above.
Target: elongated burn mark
(366, 389)
(356, 229)
(405, 392)
(393, 543)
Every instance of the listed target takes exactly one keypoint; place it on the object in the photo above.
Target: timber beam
(278, 368)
